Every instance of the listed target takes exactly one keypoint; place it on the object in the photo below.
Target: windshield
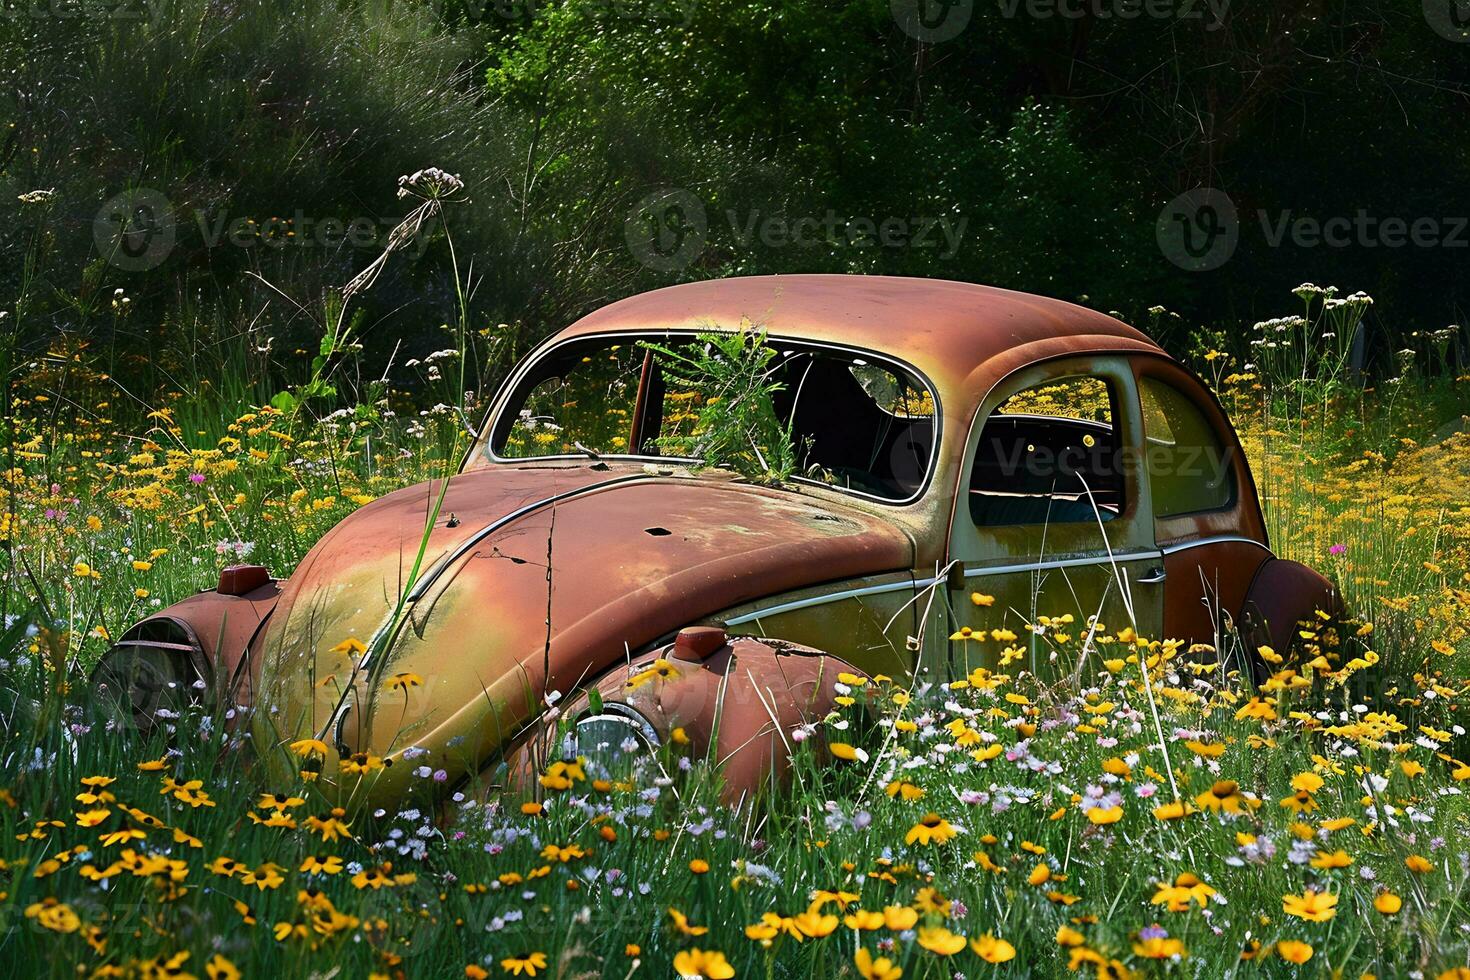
(858, 422)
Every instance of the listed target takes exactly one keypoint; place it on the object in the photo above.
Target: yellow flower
(709, 965)
(1336, 859)
(937, 939)
(931, 829)
(473, 971)
(1174, 810)
(329, 865)
(847, 753)
(879, 969)
(360, 763)
(1306, 782)
(55, 915)
(1186, 888)
(981, 599)
(864, 920)
(1388, 903)
(403, 681)
(1223, 797)
(1156, 947)
(351, 646)
(1039, 875)
(903, 789)
(993, 950)
(219, 968)
(1105, 815)
(1417, 864)
(1312, 905)
(527, 964)
(1294, 951)
(899, 917)
(681, 922)
(814, 923)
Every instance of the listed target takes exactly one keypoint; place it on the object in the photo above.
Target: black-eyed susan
(931, 829)
(527, 963)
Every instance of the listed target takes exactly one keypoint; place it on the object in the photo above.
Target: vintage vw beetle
(954, 439)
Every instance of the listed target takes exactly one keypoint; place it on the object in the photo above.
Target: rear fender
(1282, 594)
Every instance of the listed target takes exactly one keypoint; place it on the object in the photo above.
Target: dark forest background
(248, 153)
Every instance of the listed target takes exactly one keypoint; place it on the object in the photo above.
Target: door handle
(1154, 576)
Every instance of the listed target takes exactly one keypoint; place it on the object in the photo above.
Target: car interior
(1045, 469)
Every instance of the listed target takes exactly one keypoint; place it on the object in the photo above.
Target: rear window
(859, 422)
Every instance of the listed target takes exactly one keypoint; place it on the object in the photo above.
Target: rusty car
(969, 457)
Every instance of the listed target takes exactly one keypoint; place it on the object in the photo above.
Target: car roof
(964, 336)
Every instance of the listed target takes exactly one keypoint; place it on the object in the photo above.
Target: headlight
(156, 670)
(604, 737)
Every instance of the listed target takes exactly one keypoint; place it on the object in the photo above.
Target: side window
(1043, 450)
(1189, 469)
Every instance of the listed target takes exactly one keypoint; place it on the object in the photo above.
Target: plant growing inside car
(735, 426)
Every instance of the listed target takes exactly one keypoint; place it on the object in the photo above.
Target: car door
(1053, 519)
(1207, 519)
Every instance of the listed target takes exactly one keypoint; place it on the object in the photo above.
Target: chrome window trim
(535, 357)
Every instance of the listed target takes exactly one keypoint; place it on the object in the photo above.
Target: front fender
(736, 700)
(201, 644)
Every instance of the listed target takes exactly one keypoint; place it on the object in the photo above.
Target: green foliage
(737, 427)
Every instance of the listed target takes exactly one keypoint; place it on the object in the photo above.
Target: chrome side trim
(1218, 539)
(924, 583)
(1036, 566)
(822, 600)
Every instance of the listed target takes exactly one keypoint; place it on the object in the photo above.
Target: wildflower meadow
(1151, 816)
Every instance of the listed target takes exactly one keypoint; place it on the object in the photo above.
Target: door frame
(1128, 540)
